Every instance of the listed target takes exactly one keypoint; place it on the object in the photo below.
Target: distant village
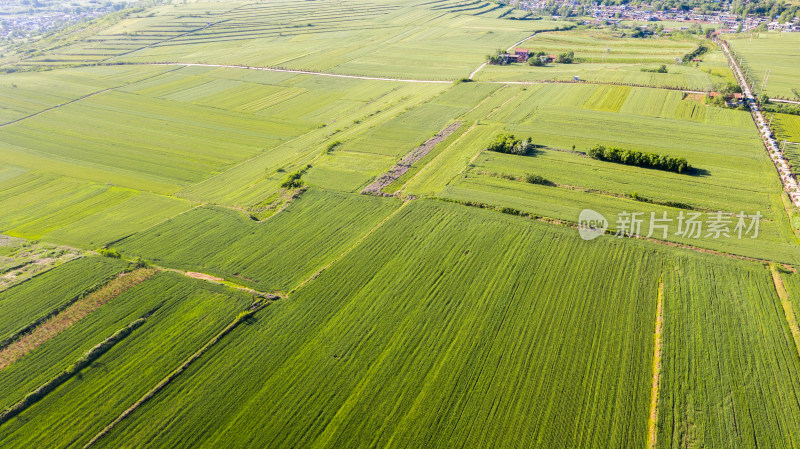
(25, 19)
(610, 14)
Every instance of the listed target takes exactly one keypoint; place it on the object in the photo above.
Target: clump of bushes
(498, 58)
(536, 179)
(293, 180)
(511, 211)
(109, 252)
(639, 159)
(535, 58)
(662, 69)
(566, 58)
(696, 53)
(140, 262)
(333, 145)
(507, 143)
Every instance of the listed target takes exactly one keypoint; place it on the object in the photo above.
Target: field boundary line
(786, 303)
(64, 376)
(60, 105)
(300, 72)
(57, 310)
(652, 423)
(181, 368)
(73, 313)
(474, 125)
(493, 111)
(83, 98)
(595, 83)
(574, 225)
(348, 250)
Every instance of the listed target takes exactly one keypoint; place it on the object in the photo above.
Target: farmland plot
(774, 241)
(23, 94)
(357, 114)
(787, 127)
(440, 329)
(776, 52)
(74, 212)
(607, 46)
(791, 282)
(681, 77)
(367, 38)
(104, 134)
(372, 151)
(25, 303)
(180, 316)
(273, 255)
(730, 365)
(734, 174)
(605, 58)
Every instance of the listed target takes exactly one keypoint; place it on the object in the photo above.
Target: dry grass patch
(72, 315)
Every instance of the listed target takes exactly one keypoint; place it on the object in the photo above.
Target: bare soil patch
(203, 276)
(72, 315)
(399, 169)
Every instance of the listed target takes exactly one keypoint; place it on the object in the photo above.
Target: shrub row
(639, 159)
(293, 180)
(90, 356)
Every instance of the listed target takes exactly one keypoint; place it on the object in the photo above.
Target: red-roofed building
(522, 54)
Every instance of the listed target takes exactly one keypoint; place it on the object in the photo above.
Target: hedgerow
(639, 159)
